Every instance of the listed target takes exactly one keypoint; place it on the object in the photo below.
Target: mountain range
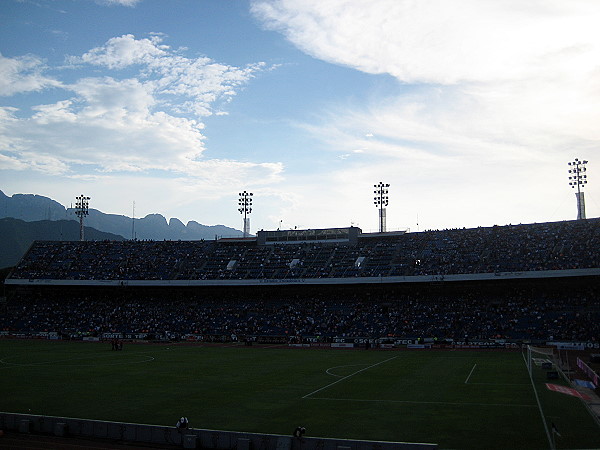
(28, 217)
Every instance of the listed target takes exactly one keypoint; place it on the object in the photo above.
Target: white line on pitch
(421, 402)
(539, 404)
(348, 376)
(470, 373)
(337, 367)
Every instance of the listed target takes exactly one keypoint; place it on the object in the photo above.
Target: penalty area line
(470, 373)
(348, 376)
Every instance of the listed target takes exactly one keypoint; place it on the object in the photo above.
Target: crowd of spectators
(466, 315)
(511, 248)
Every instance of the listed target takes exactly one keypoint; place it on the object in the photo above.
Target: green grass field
(457, 399)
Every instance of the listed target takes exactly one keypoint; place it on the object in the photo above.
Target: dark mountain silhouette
(29, 207)
(18, 235)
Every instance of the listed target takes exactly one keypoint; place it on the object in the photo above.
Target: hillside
(18, 235)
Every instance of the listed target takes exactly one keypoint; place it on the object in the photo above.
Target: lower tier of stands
(566, 310)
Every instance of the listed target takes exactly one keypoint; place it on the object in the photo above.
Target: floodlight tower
(579, 179)
(245, 208)
(381, 200)
(81, 210)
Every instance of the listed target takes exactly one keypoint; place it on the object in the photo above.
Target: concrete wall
(524, 275)
(191, 438)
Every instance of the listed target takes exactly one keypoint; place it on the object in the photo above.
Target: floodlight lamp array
(245, 202)
(382, 198)
(578, 176)
(82, 205)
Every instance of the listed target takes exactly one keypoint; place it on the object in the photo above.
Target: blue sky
(469, 109)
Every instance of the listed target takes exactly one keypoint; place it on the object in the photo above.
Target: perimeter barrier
(188, 438)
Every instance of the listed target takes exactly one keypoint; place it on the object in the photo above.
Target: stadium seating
(474, 313)
(547, 246)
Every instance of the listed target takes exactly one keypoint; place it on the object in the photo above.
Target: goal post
(542, 357)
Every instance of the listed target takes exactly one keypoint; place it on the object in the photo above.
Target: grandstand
(522, 282)
(340, 256)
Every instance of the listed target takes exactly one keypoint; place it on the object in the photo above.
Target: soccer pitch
(457, 399)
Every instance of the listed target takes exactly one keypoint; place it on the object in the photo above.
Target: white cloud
(513, 70)
(109, 100)
(183, 84)
(123, 51)
(107, 123)
(23, 74)
(8, 162)
(436, 41)
(122, 2)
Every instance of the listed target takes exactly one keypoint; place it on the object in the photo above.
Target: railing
(589, 372)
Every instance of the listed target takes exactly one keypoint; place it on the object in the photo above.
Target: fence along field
(457, 399)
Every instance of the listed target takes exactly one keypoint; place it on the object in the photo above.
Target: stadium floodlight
(578, 177)
(245, 208)
(381, 201)
(82, 206)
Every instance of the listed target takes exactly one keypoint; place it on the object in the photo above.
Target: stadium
(159, 319)
(461, 338)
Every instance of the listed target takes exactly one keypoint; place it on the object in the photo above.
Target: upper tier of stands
(512, 248)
